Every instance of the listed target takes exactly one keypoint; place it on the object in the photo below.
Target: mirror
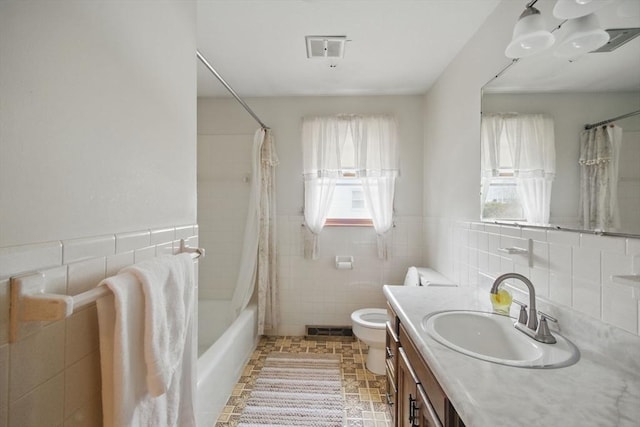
(593, 88)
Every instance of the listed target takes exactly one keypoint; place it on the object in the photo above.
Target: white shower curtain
(258, 260)
(599, 157)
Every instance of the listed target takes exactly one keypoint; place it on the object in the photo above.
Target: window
(502, 201)
(347, 206)
(518, 166)
(350, 166)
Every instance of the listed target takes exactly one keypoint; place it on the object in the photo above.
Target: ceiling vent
(618, 37)
(325, 46)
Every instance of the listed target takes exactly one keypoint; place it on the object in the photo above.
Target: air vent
(618, 37)
(325, 46)
(321, 332)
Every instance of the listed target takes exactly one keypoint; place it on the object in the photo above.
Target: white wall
(452, 129)
(312, 292)
(97, 127)
(97, 171)
(571, 270)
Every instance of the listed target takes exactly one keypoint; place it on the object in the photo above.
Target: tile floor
(364, 392)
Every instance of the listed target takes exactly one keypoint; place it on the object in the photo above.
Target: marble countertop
(591, 392)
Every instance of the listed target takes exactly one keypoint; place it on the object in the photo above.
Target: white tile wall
(570, 269)
(91, 247)
(41, 407)
(316, 293)
(51, 376)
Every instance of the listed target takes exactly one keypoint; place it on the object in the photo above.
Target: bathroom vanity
(414, 395)
(429, 384)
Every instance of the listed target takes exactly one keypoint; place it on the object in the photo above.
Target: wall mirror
(556, 96)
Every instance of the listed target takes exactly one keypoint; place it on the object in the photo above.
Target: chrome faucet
(537, 332)
(533, 318)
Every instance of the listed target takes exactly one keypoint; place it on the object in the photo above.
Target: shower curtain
(599, 155)
(258, 261)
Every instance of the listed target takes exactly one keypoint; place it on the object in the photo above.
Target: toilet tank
(422, 276)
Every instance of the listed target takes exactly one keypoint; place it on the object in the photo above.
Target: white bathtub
(223, 352)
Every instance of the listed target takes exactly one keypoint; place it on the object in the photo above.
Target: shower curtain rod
(604, 122)
(230, 89)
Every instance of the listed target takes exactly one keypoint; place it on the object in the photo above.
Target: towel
(430, 277)
(146, 344)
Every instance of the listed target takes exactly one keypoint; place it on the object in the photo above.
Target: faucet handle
(522, 317)
(546, 316)
(543, 334)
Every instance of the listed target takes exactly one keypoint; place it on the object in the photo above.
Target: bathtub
(224, 346)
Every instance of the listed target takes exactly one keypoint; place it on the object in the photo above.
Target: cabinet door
(425, 413)
(407, 392)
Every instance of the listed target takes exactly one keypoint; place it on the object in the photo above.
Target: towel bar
(29, 302)
(514, 250)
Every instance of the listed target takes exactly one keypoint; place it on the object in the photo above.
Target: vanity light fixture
(529, 34)
(570, 9)
(582, 35)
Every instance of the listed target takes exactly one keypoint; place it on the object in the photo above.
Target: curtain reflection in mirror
(599, 158)
(518, 151)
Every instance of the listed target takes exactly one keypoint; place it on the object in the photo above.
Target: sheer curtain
(258, 260)
(599, 156)
(532, 143)
(376, 150)
(490, 130)
(322, 138)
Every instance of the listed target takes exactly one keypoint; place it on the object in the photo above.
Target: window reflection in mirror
(587, 90)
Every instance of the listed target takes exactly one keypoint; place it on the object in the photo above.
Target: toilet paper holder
(344, 262)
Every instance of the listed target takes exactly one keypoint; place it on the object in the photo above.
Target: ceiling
(394, 47)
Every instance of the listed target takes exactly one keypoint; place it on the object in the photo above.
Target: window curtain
(322, 139)
(377, 162)
(599, 157)
(532, 143)
(258, 261)
(490, 130)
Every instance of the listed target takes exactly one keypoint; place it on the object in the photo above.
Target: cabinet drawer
(426, 378)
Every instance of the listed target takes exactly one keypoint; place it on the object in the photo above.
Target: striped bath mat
(296, 390)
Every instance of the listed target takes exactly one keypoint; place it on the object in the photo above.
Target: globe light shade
(529, 35)
(582, 35)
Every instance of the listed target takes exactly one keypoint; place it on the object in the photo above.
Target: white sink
(492, 337)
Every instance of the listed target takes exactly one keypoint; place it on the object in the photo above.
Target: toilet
(369, 323)
(369, 326)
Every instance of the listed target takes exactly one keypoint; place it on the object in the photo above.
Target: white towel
(146, 344)
(430, 277)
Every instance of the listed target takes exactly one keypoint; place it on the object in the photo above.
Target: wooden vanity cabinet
(391, 361)
(419, 400)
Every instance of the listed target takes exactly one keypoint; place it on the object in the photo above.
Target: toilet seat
(374, 318)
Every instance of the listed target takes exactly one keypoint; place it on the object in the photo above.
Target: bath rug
(296, 390)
